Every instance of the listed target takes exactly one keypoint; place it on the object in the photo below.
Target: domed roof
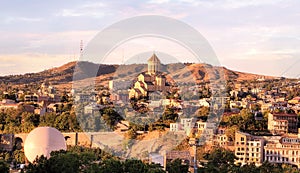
(42, 141)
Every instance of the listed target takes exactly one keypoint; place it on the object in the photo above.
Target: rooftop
(153, 58)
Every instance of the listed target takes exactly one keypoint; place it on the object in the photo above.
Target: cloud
(158, 1)
(47, 42)
(247, 3)
(228, 4)
(92, 9)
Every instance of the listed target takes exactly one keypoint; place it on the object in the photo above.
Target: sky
(257, 36)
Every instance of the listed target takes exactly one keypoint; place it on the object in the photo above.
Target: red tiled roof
(284, 114)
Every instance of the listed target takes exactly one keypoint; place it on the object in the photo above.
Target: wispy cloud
(228, 4)
(158, 1)
(91, 9)
(247, 3)
(48, 42)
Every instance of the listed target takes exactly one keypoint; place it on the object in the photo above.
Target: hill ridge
(63, 75)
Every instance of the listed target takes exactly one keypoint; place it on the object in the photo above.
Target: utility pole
(194, 143)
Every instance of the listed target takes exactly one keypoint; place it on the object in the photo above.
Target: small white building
(92, 108)
(204, 102)
(185, 124)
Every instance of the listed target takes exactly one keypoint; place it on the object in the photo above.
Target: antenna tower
(81, 47)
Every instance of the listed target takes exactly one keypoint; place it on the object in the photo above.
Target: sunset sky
(257, 36)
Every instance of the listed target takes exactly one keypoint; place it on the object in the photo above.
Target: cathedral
(151, 81)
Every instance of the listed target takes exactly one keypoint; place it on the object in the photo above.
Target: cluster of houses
(282, 146)
(44, 100)
(268, 99)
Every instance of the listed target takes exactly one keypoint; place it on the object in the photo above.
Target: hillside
(62, 77)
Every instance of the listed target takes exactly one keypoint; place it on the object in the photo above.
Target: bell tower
(153, 64)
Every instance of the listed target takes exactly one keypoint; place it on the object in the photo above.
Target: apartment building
(248, 149)
(285, 149)
(282, 123)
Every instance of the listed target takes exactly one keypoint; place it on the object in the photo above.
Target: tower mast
(81, 48)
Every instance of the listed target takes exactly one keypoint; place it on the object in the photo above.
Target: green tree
(202, 113)
(268, 167)
(249, 168)
(170, 114)
(111, 165)
(29, 122)
(4, 168)
(133, 165)
(110, 116)
(48, 119)
(176, 166)
(155, 168)
(219, 160)
(19, 156)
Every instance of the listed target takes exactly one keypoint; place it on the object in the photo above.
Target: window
(242, 139)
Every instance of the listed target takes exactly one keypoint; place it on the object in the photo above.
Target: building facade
(151, 81)
(281, 123)
(248, 149)
(283, 150)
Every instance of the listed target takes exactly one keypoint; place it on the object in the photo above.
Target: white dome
(42, 141)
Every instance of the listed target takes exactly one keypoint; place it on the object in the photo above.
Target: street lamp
(194, 142)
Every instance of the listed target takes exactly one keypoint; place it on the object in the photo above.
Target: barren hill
(63, 76)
